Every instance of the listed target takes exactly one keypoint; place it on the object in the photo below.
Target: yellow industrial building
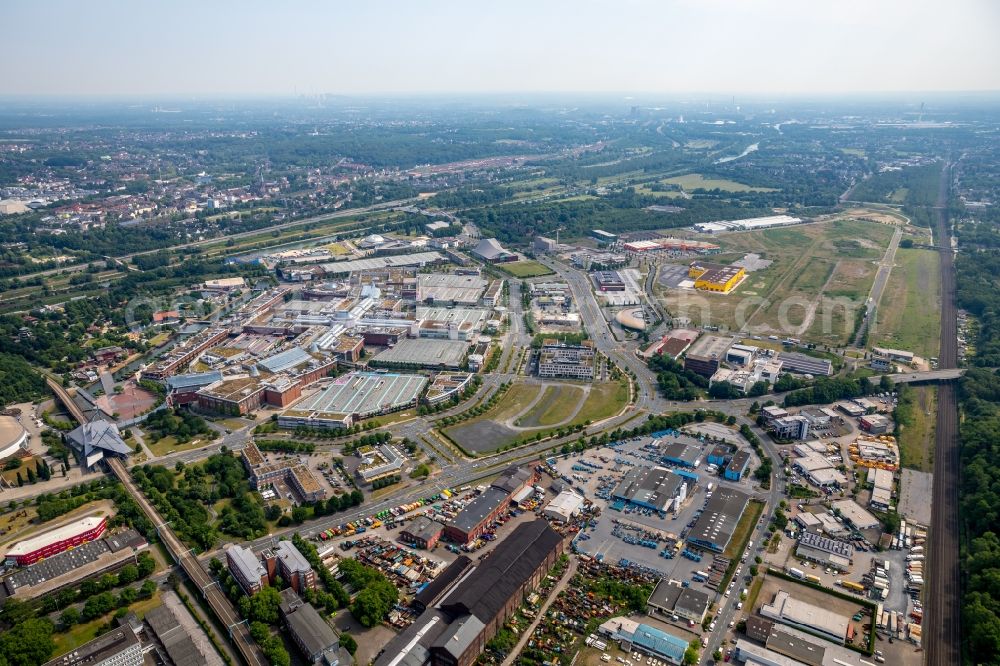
(715, 277)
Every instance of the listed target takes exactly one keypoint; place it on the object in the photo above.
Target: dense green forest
(19, 382)
(621, 211)
(182, 499)
(977, 272)
(980, 511)
(674, 382)
(978, 291)
(916, 188)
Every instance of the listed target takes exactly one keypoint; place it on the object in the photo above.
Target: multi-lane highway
(650, 400)
(604, 341)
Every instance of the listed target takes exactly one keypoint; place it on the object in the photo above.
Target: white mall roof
(564, 505)
(54, 536)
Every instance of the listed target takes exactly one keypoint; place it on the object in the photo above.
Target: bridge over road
(929, 377)
(214, 596)
(66, 399)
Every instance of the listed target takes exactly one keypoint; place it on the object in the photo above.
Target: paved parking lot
(600, 541)
(915, 496)
(718, 431)
(862, 564)
(671, 275)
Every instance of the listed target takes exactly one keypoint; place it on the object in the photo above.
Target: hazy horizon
(672, 48)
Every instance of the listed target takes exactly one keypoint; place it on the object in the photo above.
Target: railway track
(209, 589)
(942, 627)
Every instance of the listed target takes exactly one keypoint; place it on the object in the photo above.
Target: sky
(211, 48)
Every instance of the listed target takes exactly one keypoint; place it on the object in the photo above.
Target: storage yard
(653, 507)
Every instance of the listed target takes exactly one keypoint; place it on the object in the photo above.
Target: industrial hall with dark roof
(473, 602)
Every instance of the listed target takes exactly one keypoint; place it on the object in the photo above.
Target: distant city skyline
(450, 47)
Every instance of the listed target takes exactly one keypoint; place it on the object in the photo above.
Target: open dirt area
(880, 216)
(753, 262)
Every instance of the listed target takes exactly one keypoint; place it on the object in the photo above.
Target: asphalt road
(878, 286)
(727, 607)
(648, 399)
(599, 331)
(942, 625)
(457, 471)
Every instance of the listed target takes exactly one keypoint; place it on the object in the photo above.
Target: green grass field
(512, 402)
(88, 631)
(741, 534)
(605, 400)
(160, 338)
(838, 254)
(916, 438)
(525, 269)
(170, 445)
(790, 300)
(620, 178)
(909, 315)
(738, 541)
(671, 194)
(845, 293)
(556, 405)
(395, 417)
(338, 249)
(696, 181)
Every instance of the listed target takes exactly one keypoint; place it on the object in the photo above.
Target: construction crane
(558, 229)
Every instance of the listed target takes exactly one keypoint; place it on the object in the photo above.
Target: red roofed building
(56, 541)
(166, 316)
